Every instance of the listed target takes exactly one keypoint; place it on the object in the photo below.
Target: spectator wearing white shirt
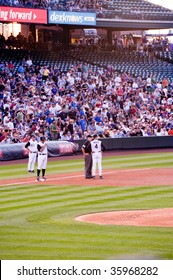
(135, 85)
(71, 80)
(6, 105)
(170, 100)
(30, 109)
(6, 140)
(53, 109)
(6, 120)
(118, 80)
(159, 85)
(165, 90)
(149, 83)
(10, 124)
(164, 132)
(156, 93)
(29, 62)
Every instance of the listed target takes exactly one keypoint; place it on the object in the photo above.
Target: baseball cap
(89, 136)
(42, 138)
(95, 136)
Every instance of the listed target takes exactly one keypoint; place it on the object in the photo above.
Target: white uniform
(32, 148)
(96, 149)
(42, 156)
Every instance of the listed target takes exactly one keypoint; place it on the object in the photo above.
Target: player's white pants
(31, 161)
(42, 161)
(97, 159)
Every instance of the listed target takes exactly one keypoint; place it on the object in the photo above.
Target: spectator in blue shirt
(82, 123)
(21, 69)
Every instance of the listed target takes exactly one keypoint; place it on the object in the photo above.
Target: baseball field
(43, 220)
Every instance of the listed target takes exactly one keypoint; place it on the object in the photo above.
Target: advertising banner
(23, 15)
(55, 149)
(74, 18)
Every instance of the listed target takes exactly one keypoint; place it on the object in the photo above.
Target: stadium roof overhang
(133, 25)
(118, 24)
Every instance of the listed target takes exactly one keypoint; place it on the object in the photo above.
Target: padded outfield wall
(64, 148)
(55, 149)
(124, 143)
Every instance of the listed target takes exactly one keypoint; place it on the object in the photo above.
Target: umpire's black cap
(95, 136)
(42, 138)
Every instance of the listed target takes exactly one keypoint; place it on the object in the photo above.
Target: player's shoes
(101, 177)
(93, 177)
(43, 179)
(31, 171)
(37, 180)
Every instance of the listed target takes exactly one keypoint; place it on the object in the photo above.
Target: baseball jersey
(40, 145)
(85, 146)
(97, 146)
(32, 145)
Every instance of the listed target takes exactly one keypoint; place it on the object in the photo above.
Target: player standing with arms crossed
(31, 146)
(42, 158)
(97, 148)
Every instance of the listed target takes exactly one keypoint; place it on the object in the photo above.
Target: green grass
(38, 221)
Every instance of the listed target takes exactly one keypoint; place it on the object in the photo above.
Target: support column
(66, 37)
(109, 36)
(33, 30)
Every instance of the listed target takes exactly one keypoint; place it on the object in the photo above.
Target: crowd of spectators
(67, 5)
(18, 42)
(71, 104)
(102, 8)
(123, 42)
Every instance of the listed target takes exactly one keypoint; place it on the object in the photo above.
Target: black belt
(42, 154)
(34, 152)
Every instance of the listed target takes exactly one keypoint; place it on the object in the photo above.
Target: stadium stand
(167, 56)
(124, 9)
(118, 90)
(102, 93)
(128, 61)
(135, 9)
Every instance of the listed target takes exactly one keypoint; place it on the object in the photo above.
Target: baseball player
(96, 147)
(31, 146)
(88, 158)
(42, 158)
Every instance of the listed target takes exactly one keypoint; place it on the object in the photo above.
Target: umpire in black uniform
(88, 158)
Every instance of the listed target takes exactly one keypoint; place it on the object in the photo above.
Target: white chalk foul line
(72, 176)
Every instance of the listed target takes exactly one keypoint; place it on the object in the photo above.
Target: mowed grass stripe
(105, 239)
(84, 233)
(21, 199)
(38, 238)
(66, 163)
(42, 225)
(90, 249)
(47, 197)
(91, 232)
(29, 194)
(78, 165)
(40, 245)
(142, 163)
(114, 238)
(77, 202)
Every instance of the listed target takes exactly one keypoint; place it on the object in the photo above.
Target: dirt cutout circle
(154, 217)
